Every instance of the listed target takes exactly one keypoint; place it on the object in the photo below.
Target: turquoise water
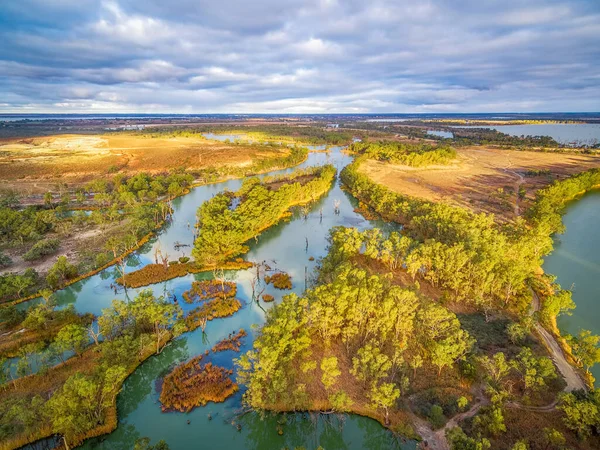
(576, 263)
(283, 247)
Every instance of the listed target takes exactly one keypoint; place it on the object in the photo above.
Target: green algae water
(215, 426)
(576, 263)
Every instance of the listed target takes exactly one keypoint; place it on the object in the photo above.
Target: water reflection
(284, 247)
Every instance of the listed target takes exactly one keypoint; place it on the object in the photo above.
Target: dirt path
(436, 439)
(518, 183)
(570, 375)
(545, 408)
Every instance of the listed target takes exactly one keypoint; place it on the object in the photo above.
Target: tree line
(411, 154)
(229, 219)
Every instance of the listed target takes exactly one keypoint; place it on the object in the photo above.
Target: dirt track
(568, 372)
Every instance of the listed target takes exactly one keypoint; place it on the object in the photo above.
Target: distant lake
(443, 134)
(563, 133)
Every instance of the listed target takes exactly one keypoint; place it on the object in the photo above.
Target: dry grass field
(483, 179)
(35, 165)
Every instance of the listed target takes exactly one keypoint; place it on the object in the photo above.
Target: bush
(184, 259)
(11, 316)
(5, 261)
(436, 416)
(209, 289)
(155, 273)
(192, 384)
(213, 309)
(42, 248)
(102, 259)
(232, 342)
(280, 280)
(267, 298)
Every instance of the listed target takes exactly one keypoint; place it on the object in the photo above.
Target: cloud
(299, 56)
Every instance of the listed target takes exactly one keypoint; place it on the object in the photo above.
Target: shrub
(5, 261)
(155, 273)
(42, 248)
(184, 259)
(232, 342)
(102, 259)
(436, 416)
(192, 384)
(209, 289)
(213, 309)
(280, 280)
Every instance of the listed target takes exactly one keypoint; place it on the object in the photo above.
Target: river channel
(283, 247)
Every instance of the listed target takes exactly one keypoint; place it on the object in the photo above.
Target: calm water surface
(576, 263)
(563, 133)
(444, 134)
(283, 247)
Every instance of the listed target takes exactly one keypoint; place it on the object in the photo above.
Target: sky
(299, 56)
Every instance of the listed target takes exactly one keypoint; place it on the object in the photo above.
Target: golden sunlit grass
(482, 179)
(194, 384)
(80, 158)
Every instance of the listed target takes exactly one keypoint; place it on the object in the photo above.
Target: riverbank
(295, 158)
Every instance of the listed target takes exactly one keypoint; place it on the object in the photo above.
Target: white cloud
(300, 56)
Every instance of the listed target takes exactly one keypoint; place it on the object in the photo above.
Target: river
(283, 247)
(576, 263)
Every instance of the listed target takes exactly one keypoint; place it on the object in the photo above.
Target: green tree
(582, 415)
(585, 348)
(436, 416)
(73, 409)
(458, 440)
(535, 371)
(11, 316)
(48, 198)
(144, 444)
(554, 439)
(557, 304)
(71, 337)
(384, 396)
(37, 317)
(491, 420)
(416, 362)
(330, 371)
(516, 332)
(61, 271)
(22, 283)
(496, 368)
(442, 335)
(158, 312)
(370, 364)
(115, 320)
(340, 401)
